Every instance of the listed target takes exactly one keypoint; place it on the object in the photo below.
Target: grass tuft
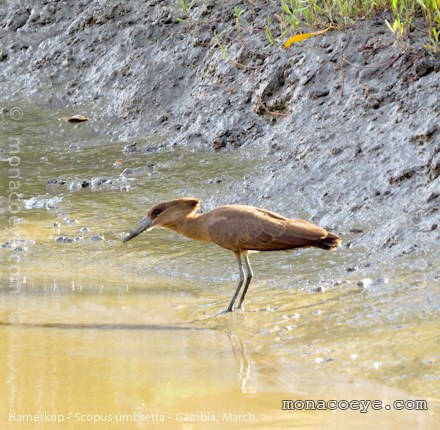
(320, 14)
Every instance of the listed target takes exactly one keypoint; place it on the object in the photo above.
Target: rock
(364, 283)
(99, 181)
(35, 15)
(406, 174)
(64, 239)
(133, 171)
(97, 238)
(130, 148)
(42, 202)
(18, 244)
(74, 186)
(432, 196)
(215, 181)
(20, 249)
(55, 181)
(434, 170)
(69, 221)
(218, 144)
(319, 93)
(337, 150)
(3, 54)
(18, 21)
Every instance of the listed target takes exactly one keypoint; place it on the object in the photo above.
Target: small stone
(132, 147)
(52, 181)
(364, 283)
(84, 230)
(96, 182)
(20, 249)
(97, 237)
(64, 239)
(354, 356)
(3, 54)
(74, 186)
(291, 316)
(218, 144)
(34, 16)
(318, 94)
(128, 171)
(379, 281)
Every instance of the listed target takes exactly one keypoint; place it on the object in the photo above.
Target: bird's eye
(157, 212)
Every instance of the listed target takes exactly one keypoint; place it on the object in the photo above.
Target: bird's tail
(330, 242)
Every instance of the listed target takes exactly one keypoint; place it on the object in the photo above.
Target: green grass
(320, 14)
(295, 15)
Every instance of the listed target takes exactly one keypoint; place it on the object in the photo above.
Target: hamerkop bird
(241, 229)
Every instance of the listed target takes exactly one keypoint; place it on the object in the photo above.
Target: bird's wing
(257, 229)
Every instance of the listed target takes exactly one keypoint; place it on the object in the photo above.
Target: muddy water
(131, 336)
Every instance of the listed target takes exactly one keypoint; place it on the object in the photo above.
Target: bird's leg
(240, 283)
(249, 276)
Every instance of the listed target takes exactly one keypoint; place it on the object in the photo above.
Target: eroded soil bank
(349, 123)
(341, 129)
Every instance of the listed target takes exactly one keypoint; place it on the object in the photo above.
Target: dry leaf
(300, 37)
(76, 118)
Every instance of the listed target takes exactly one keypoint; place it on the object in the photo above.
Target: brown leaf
(76, 118)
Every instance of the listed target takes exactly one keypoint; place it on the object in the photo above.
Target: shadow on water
(80, 326)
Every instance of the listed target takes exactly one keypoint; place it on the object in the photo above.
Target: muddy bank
(348, 122)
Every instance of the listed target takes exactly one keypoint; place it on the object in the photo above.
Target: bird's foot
(231, 310)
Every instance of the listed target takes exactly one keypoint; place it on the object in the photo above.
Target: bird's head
(166, 215)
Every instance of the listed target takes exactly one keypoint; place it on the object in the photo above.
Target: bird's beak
(145, 224)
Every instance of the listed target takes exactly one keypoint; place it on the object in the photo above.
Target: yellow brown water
(94, 330)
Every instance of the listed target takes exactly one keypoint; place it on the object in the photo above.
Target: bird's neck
(192, 226)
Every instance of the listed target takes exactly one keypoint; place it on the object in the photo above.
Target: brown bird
(241, 229)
